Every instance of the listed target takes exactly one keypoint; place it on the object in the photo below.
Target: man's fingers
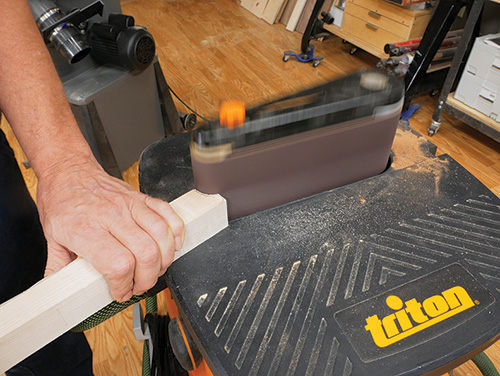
(158, 229)
(146, 250)
(114, 261)
(175, 222)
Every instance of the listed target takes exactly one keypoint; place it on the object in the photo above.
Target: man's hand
(128, 237)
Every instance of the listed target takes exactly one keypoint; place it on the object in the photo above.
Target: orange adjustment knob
(232, 113)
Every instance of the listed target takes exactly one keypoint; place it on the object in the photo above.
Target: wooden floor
(214, 50)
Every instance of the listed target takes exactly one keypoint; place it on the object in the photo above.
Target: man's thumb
(58, 258)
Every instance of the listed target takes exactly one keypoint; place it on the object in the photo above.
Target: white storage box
(337, 14)
(485, 55)
(477, 93)
(479, 86)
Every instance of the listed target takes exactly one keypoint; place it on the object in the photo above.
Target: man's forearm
(31, 94)
(128, 237)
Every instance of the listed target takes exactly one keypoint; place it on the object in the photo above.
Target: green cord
(151, 304)
(485, 365)
(115, 307)
(146, 366)
(482, 361)
(111, 310)
(107, 312)
(151, 307)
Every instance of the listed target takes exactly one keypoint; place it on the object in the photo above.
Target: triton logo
(413, 313)
(412, 317)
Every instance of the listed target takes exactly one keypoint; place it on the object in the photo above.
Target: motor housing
(120, 42)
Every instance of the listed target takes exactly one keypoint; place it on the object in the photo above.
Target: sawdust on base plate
(408, 149)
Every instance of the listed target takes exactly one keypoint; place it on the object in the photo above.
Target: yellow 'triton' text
(412, 317)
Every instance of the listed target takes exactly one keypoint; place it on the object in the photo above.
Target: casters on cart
(353, 48)
(303, 58)
(406, 115)
(314, 30)
(434, 127)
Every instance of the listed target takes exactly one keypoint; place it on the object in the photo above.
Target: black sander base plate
(394, 275)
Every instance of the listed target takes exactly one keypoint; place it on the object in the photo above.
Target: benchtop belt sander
(312, 286)
(299, 145)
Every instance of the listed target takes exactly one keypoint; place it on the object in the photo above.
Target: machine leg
(461, 52)
(434, 127)
(439, 25)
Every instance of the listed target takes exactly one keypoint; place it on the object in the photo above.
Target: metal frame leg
(460, 53)
(439, 25)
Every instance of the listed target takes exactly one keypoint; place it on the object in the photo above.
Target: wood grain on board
(287, 12)
(305, 16)
(62, 300)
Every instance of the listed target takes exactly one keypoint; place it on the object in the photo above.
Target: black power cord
(186, 105)
(164, 361)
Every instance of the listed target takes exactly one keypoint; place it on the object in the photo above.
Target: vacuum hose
(485, 365)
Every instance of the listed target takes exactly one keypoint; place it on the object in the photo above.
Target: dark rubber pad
(289, 290)
(308, 288)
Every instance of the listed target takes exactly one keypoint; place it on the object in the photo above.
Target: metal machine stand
(417, 80)
(120, 100)
(116, 122)
(461, 53)
(313, 30)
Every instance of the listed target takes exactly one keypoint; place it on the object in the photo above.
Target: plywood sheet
(287, 12)
(305, 16)
(294, 18)
(272, 10)
(256, 7)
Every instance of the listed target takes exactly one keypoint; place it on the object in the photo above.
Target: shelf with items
(472, 117)
(447, 102)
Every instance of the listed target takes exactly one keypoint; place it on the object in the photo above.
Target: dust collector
(111, 76)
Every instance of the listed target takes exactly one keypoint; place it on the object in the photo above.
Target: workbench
(398, 274)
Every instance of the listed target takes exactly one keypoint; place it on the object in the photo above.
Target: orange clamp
(232, 113)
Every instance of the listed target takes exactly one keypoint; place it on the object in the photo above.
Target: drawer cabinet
(370, 24)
